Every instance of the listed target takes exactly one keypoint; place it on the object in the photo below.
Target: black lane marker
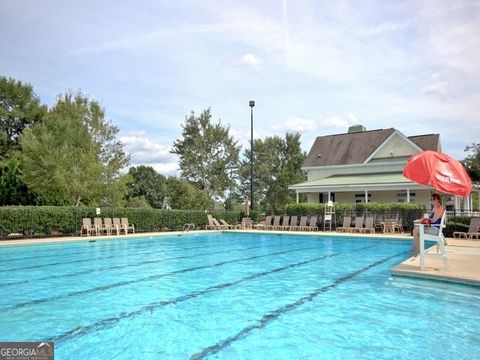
(101, 257)
(267, 318)
(147, 278)
(110, 322)
(88, 271)
(103, 247)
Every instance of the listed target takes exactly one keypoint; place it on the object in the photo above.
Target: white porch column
(297, 196)
(408, 195)
(366, 195)
(456, 203)
(329, 196)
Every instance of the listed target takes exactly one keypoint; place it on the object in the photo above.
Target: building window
(402, 197)
(361, 198)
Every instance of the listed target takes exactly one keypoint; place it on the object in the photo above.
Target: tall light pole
(251, 103)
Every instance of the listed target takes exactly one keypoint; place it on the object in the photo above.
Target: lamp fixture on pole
(251, 103)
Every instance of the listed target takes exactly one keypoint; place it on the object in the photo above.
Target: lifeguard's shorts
(432, 230)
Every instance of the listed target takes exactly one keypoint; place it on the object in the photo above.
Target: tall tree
(73, 155)
(13, 190)
(207, 154)
(186, 196)
(277, 165)
(472, 161)
(145, 181)
(19, 108)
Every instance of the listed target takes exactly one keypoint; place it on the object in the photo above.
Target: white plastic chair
(440, 242)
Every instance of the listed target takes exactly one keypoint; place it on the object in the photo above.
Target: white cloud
(252, 62)
(335, 122)
(144, 151)
(297, 124)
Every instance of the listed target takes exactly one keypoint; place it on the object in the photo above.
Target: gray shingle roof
(355, 148)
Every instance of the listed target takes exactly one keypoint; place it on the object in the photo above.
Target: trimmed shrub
(65, 220)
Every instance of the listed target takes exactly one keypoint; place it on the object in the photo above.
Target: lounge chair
(293, 223)
(211, 225)
(263, 225)
(388, 226)
(100, 228)
(118, 227)
(219, 226)
(358, 224)
(303, 224)
(312, 224)
(438, 239)
(107, 222)
(285, 223)
(246, 224)
(225, 224)
(276, 223)
(368, 225)
(347, 224)
(87, 226)
(473, 230)
(127, 225)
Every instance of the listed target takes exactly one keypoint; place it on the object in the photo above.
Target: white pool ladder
(188, 226)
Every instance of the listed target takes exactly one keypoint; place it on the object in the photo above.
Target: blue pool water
(232, 296)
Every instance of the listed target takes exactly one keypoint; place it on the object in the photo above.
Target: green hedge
(64, 220)
(407, 212)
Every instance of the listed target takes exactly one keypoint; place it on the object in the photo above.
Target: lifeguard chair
(329, 216)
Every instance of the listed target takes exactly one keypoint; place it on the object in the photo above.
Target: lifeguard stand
(329, 216)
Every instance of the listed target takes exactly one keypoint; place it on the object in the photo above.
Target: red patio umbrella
(440, 171)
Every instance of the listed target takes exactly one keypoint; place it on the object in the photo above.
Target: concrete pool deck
(463, 255)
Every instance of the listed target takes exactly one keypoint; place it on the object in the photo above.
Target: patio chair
(303, 224)
(276, 223)
(473, 230)
(225, 225)
(285, 223)
(87, 226)
(312, 225)
(388, 226)
(246, 223)
(211, 225)
(347, 224)
(293, 222)
(127, 225)
(358, 224)
(369, 225)
(117, 225)
(263, 225)
(100, 228)
(107, 222)
(438, 239)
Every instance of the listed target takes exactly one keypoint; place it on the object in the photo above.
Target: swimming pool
(232, 296)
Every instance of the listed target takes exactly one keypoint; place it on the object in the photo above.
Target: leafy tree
(138, 202)
(207, 154)
(19, 109)
(13, 190)
(186, 196)
(472, 161)
(73, 157)
(277, 165)
(147, 183)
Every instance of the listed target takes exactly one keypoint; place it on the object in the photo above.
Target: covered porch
(390, 187)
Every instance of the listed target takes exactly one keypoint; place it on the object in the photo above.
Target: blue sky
(313, 67)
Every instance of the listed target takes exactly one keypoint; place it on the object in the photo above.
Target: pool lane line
(104, 257)
(113, 321)
(95, 249)
(275, 314)
(102, 246)
(88, 271)
(147, 278)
